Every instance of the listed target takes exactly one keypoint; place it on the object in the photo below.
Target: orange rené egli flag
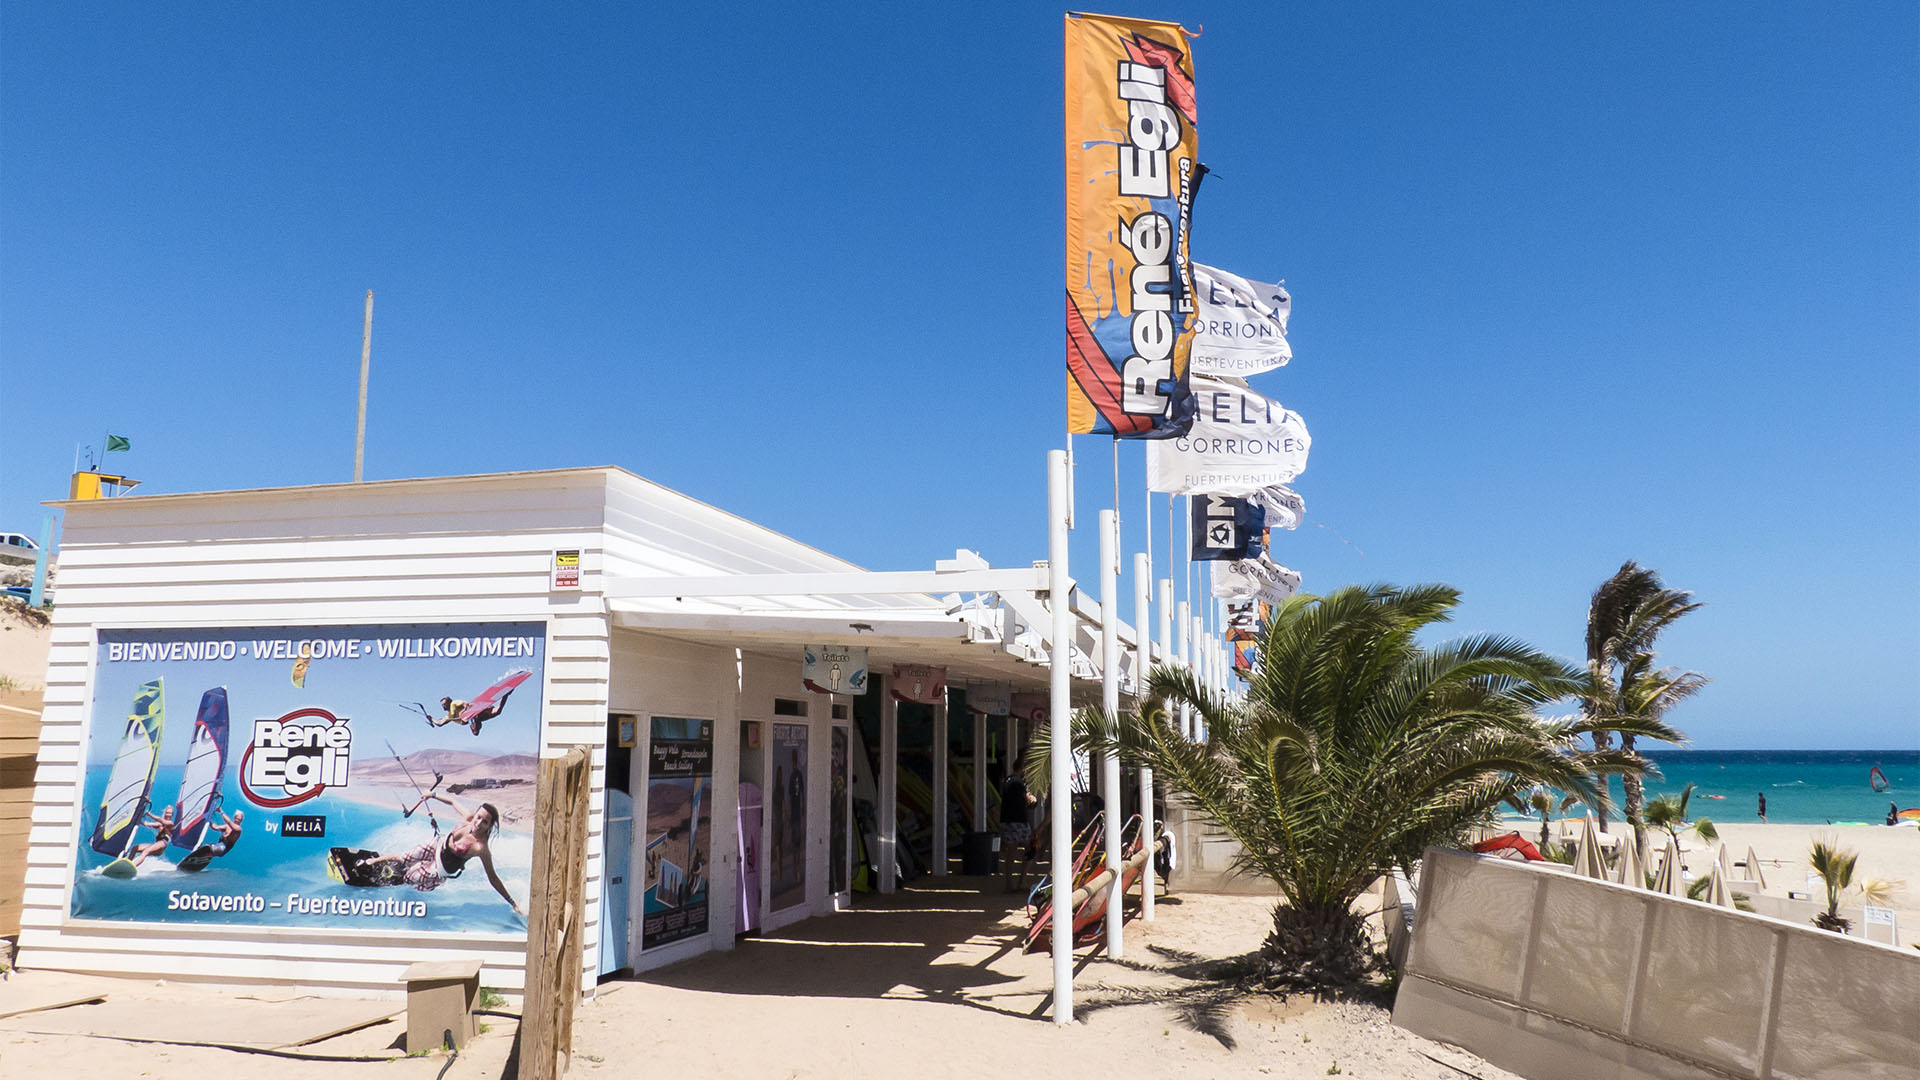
(1132, 168)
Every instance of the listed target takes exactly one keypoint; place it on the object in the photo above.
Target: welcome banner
(1132, 168)
(1241, 327)
(1241, 442)
(357, 776)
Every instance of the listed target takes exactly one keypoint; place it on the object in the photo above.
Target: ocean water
(1803, 787)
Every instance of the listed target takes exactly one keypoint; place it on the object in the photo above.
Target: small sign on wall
(566, 569)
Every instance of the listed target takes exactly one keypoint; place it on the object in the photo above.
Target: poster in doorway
(787, 805)
(837, 815)
(679, 830)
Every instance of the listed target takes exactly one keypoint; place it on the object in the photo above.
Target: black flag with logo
(1227, 527)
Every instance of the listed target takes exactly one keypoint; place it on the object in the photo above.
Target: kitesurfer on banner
(162, 827)
(430, 865)
(452, 707)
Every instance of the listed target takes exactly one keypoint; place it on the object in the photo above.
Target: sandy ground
(1892, 853)
(23, 650)
(857, 994)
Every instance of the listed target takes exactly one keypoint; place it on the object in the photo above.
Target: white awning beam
(849, 583)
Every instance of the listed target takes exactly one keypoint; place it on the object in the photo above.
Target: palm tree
(1628, 611)
(1834, 865)
(1540, 801)
(1669, 813)
(1353, 749)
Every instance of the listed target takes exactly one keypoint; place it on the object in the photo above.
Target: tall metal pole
(1059, 717)
(1142, 658)
(1110, 704)
(941, 800)
(1198, 657)
(1184, 626)
(889, 782)
(366, 356)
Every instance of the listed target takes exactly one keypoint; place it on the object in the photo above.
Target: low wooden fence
(19, 747)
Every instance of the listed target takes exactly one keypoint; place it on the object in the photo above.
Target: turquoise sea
(1803, 787)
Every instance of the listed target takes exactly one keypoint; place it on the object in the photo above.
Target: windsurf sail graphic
(206, 764)
(131, 781)
(494, 693)
(1878, 779)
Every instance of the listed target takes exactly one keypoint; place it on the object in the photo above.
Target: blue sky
(1570, 286)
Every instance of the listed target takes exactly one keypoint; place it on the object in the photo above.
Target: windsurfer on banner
(162, 827)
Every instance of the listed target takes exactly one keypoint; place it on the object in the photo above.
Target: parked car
(19, 541)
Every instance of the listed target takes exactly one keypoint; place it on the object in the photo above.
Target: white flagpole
(1110, 704)
(1060, 705)
(1142, 659)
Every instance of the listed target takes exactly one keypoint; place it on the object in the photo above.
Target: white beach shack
(290, 735)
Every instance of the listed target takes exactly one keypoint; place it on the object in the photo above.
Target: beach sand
(940, 991)
(1782, 850)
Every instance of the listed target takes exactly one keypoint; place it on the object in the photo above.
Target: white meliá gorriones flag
(1254, 579)
(1241, 442)
(1240, 326)
(1283, 505)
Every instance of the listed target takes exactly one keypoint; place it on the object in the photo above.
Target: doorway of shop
(616, 912)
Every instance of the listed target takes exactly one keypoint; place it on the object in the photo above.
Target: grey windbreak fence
(1552, 975)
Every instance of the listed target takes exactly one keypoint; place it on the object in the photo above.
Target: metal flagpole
(1142, 657)
(366, 356)
(1110, 705)
(1060, 704)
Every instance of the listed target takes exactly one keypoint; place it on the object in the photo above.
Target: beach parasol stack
(1753, 869)
(1717, 891)
(1669, 880)
(1630, 871)
(1587, 861)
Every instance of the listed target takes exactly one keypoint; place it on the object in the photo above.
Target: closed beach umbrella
(1669, 880)
(1630, 871)
(1753, 868)
(1723, 862)
(1717, 892)
(1587, 862)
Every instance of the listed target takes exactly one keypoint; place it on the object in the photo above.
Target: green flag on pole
(117, 442)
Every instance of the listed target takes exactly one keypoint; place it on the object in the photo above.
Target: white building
(680, 611)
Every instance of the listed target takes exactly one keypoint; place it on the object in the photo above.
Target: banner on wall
(1241, 441)
(834, 669)
(679, 830)
(787, 807)
(923, 684)
(1241, 325)
(1227, 527)
(1259, 579)
(357, 776)
(1132, 159)
(990, 699)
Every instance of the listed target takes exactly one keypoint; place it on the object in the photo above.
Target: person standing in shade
(1016, 810)
(1763, 806)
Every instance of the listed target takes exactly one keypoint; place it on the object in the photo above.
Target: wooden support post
(556, 916)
